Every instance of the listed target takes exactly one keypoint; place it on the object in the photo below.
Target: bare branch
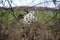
(12, 10)
(43, 3)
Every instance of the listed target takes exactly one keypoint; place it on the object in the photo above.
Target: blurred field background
(42, 29)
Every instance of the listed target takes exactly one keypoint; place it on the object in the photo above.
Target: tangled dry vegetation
(34, 31)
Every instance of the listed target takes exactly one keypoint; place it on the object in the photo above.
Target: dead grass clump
(34, 31)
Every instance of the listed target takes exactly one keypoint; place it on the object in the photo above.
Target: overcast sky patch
(29, 3)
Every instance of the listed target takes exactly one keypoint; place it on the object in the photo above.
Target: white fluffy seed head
(30, 17)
